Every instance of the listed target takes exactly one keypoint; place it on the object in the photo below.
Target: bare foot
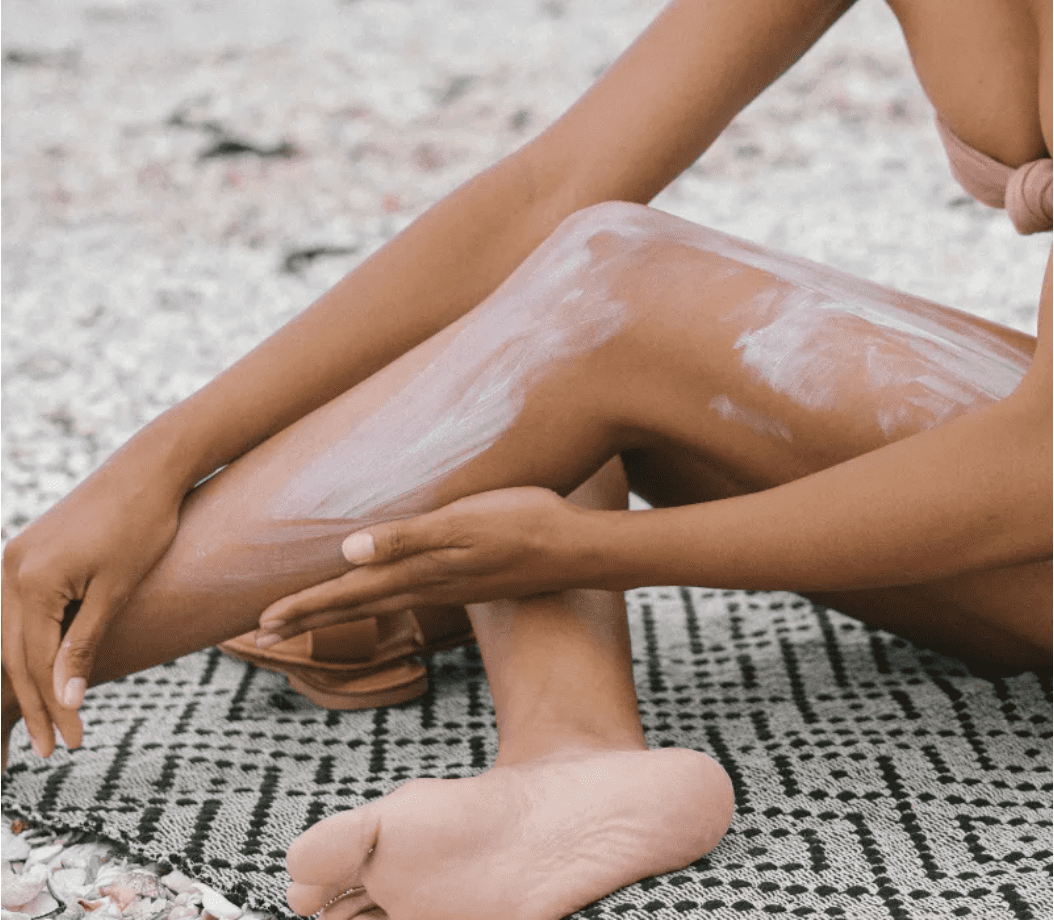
(525, 841)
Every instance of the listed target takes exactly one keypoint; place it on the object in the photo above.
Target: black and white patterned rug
(873, 779)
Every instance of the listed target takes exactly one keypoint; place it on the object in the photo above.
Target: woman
(809, 431)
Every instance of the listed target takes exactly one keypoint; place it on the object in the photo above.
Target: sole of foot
(525, 841)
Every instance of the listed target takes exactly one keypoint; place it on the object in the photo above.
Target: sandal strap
(386, 636)
(344, 642)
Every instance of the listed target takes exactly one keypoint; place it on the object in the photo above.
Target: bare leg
(575, 806)
(559, 666)
(640, 328)
(628, 332)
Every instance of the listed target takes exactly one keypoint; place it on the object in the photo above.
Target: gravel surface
(181, 178)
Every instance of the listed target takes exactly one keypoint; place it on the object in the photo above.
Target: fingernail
(358, 547)
(74, 695)
(266, 640)
(36, 747)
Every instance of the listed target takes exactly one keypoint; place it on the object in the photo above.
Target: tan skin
(985, 593)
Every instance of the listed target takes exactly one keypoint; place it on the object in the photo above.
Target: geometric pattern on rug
(873, 779)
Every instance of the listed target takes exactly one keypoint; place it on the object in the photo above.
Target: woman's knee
(653, 265)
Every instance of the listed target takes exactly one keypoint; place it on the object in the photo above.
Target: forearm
(436, 270)
(970, 495)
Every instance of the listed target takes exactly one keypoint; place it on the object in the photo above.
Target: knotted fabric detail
(1025, 192)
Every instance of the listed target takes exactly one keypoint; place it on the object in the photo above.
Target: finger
(34, 712)
(316, 599)
(79, 648)
(398, 539)
(41, 637)
(276, 631)
(353, 588)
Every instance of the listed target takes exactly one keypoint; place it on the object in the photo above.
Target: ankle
(542, 743)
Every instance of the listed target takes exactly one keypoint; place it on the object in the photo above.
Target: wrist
(168, 453)
(635, 549)
(610, 554)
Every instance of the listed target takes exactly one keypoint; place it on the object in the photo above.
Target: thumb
(76, 655)
(392, 541)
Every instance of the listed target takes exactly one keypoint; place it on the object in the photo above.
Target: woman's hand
(507, 543)
(65, 577)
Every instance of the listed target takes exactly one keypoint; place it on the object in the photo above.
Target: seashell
(177, 881)
(149, 909)
(12, 915)
(121, 895)
(183, 912)
(20, 890)
(107, 911)
(87, 856)
(68, 884)
(44, 854)
(41, 905)
(142, 883)
(216, 904)
(14, 848)
(109, 872)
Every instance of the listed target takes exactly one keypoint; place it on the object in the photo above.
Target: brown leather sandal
(362, 664)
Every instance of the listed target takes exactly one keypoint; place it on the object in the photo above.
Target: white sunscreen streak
(757, 422)
(939, 365)
(463, 401)
(823, 320)
(921, 364)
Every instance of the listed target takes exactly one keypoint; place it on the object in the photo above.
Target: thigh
(800, 368)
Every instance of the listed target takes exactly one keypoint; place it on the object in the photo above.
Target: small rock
(18, 825)
(183, 912)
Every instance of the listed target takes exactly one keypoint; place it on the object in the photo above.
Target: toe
(330, 855)
(308, 900)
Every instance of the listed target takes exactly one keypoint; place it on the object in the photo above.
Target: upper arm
(1041, 12)
(663, 102)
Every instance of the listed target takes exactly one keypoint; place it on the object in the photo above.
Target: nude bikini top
(1025, 192)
